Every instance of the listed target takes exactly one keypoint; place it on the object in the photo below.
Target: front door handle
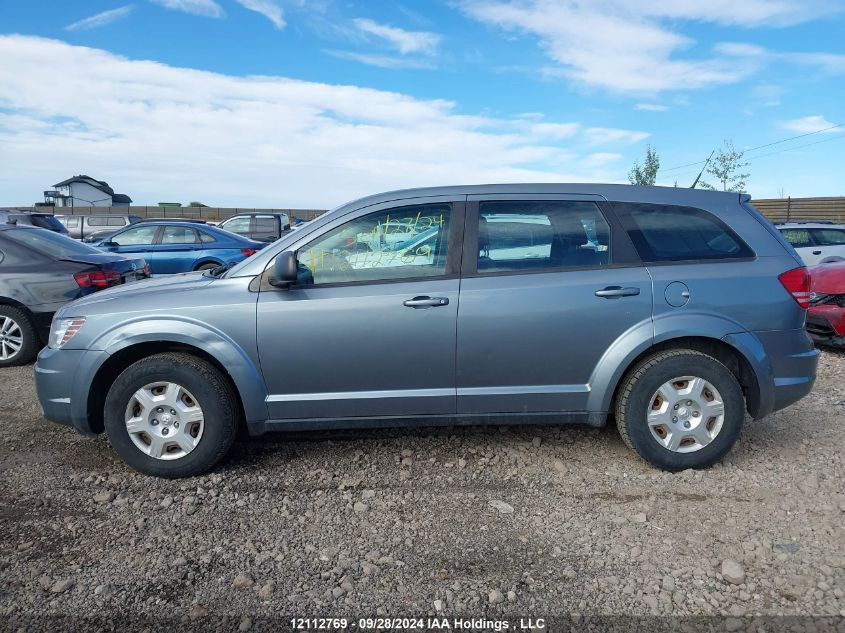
(426, 302)
(617, 291)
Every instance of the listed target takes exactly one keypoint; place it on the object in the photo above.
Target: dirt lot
(472, 522)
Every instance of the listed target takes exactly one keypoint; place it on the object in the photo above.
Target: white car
(815, 242)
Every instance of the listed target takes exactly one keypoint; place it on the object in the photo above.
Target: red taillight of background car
(248, 252)
(96, 278)
(797, 283)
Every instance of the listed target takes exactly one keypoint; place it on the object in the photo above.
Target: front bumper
(62, 382)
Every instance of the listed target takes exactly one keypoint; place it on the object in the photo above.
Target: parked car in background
(40, 271)
(179, 247)
(85, 227)
(40, 220)
(815, 242)
(673, 312)
(264, 227)
(826, 318)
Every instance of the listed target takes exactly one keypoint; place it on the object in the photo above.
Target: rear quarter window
(669, 233)
(829, 237)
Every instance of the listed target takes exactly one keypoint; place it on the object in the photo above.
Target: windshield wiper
(222, 268)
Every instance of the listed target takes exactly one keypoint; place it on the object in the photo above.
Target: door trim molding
(427, 393)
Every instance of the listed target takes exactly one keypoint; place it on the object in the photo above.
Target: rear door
(548, 283)
(264, 228)
(176, 250)
(830, 244)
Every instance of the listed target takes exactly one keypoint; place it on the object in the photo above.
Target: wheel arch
(720, 338)
(233, 364)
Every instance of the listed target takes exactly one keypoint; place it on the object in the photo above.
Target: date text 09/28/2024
(420, 624)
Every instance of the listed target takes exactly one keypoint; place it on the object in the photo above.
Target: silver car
(669, 312)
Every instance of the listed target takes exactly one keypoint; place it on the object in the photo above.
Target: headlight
(62, 330)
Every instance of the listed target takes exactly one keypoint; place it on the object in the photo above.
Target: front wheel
(18, 340)
(680, 409)
(171, 415)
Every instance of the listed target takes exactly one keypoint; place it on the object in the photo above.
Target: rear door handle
(426, 302)
(817, 252)
(617, 291)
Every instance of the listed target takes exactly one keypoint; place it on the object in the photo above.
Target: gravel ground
(455, 522)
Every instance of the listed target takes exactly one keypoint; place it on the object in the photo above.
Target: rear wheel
(680, 409)
(208, 266)
(18, 341)
(171, 415)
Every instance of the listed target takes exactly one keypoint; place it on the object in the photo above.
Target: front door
(369, 329)
(137, 240)
(549, 284)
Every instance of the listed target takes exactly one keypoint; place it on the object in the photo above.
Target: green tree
(645, 174)
(726, 169)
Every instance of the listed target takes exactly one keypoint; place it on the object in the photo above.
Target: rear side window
(265, 224)
(97, 221)
(116, 221)
(668, 233)
(205, 238)
(518, 236)
(799, 238)
(829, 237)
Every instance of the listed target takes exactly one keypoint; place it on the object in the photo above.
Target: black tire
(208, 266)
(30, 343)
(214, 394)
(634, 400)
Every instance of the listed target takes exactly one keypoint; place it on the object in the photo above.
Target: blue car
(179, 247)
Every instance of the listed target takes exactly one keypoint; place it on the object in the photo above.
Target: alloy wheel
(11, 338)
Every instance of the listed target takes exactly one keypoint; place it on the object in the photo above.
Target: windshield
(50, 243)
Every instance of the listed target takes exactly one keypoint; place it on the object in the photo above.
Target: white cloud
(268, 8)
(814, 123)
(607, 135)
(383, 61)
(403, 41)
(651, 107)
(633, 46)
(159, 132)
(206, 8)
(101, 19)
(555, 131)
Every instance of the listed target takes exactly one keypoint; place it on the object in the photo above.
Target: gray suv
(670, 311)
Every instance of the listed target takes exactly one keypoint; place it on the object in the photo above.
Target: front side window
(829, 237)
(399, 243)
(136, 236)
(521, 236)
(799, 238)
(665, 233)
(237, 225)
(72, 223)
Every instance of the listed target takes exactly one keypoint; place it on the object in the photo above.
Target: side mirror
(284, 270)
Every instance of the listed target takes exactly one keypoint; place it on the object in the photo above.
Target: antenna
(707, 162)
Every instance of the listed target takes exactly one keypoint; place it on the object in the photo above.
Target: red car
(826, 318)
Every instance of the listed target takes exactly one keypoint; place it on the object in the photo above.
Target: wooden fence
(198, 213)
(776, 209)
(803, 209)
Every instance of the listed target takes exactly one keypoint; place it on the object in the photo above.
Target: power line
(784, 140)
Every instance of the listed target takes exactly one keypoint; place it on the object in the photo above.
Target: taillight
(96, 278)
(248, 252)
(797, 283)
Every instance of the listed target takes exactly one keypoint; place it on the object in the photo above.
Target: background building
(84, 191)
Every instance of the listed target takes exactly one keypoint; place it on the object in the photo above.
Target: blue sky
(309, 103)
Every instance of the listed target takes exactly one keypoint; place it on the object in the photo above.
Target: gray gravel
(530, 521)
